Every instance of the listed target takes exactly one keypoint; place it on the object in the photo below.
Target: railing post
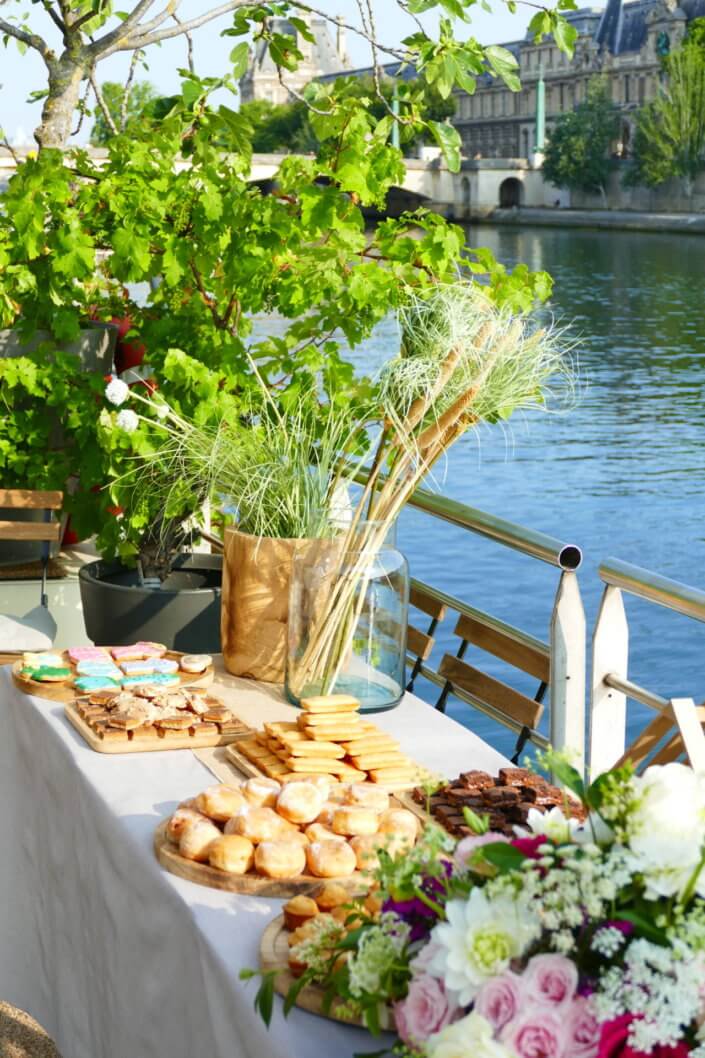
(608, 707)
(568, 640)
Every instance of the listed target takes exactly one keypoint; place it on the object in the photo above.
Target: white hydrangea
(127, 420)
(117, 391)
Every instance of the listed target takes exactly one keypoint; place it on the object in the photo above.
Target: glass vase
(348, 612)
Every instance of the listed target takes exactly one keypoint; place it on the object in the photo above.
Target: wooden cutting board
(274, 956)
(140, 741)
(254, 884)
(66, 692)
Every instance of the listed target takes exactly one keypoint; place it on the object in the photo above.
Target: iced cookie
(42, 661)
(48, 673)
(161, 679)
(196, 662)
(98, 668)
(88, 654)
(149, 666)
(95, 683)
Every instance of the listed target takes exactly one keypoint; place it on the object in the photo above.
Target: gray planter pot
(184, 613)
(95, 347)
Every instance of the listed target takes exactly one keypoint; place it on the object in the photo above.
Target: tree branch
(82, 108)
(140, 41)
(189, 45)
(58, 22)
(136, 55)
(107, 45)
(30, 39)
(102, 104)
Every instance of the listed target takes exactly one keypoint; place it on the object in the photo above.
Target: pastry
(300, 802)
(330, 703)
(220, 802)
(180, 722)
(366, 847)
(196, 662)
(331, 895)
(260, 824)
(299, 910)
(320, 832)
(232, 853)
(197, 838)
(280, 859)
(368, 795)
(330, 859)
(125, 721)
(351, 820)
(338, 793)
(399, 821)
(217, 714)
(182, 816)
(95, 683)
(325, 816)
(261, 792)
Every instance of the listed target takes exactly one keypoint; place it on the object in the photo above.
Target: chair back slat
(426, 603)
(494, 640)
(31, 500)
(647, 741)
(500, 696)
(419, 643)
(49, 531)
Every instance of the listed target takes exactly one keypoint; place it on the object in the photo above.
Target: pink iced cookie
(151, 650)
(88, 654)
(138, 651)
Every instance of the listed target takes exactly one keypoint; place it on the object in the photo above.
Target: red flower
(614, 1042)
(530, 846)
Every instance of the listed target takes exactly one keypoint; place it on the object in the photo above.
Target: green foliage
(696, 33)
(279, 128)
(142, 98)
(670, 131)
(578, 151)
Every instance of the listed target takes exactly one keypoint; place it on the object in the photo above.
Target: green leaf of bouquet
(568, 775)
(293, 993)
(478, 824)
(264, 1000)
(645, 927)
(503, 856)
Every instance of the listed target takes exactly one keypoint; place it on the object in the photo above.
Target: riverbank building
(624, 42)
(322, 56)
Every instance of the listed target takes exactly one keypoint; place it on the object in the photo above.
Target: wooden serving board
(256, 885)
(274, 955)
(66, 692)
(137, 742)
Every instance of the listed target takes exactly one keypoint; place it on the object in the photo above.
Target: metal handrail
(636, 692)
(527, 541)
(652, 587)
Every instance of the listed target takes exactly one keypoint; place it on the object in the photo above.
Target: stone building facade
(322, 56)
(624, 42)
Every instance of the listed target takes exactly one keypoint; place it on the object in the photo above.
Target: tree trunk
(65, 76)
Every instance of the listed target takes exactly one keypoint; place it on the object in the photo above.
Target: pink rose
(583, 1030)
(540, 1033)
(498, 1000)
(613, 1042)
(465, 849)
(425, 1010)
(550, 979)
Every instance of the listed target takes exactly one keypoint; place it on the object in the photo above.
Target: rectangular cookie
(330, 703)
(368, 761)
(315, 749)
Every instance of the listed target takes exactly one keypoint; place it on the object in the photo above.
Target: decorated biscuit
(88, 654)
(95, 683)
(98, 668)
(161, 679)
(48, 673)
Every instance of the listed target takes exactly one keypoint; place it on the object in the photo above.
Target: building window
(626, 88)
(549, 58)
(517, 102)
(642, 89)
(561, 101)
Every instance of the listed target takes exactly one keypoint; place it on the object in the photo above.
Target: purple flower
(417, 914)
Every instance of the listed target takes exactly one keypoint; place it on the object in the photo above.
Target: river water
(620, 474)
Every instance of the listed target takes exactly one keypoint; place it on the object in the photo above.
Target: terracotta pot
(255, 605)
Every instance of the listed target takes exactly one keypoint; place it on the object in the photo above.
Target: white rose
(666, 831)
(472, 1037)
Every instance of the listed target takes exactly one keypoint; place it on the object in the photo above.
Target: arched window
(510, 193)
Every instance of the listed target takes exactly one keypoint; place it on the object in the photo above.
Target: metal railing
(564, 648)
(611, 688)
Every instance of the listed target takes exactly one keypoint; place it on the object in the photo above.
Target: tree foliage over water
(578, 153)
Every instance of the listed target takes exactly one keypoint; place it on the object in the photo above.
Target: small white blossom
(607, 941)
(127, 420)
(378, 950)
(117, 391)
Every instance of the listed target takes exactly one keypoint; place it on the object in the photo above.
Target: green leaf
(503, 856)
(565, 35)
(239, 58)
(504, 65)
(478, 824)
(448, 139)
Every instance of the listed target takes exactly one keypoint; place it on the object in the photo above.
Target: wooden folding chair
(36, 629)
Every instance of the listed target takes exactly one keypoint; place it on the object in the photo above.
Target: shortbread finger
(315, 749)
(382, 775)
(370, 744)
(330, 703)
(329, 719)
(315, 766)
(251, 749)
(368, 761)
(330, 734)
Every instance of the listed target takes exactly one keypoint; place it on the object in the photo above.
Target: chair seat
(35, 631)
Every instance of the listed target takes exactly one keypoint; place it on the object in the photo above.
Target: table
(112, 955)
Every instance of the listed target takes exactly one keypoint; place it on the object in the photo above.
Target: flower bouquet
(572, 940)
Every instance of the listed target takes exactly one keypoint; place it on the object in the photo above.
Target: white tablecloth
(114, 956)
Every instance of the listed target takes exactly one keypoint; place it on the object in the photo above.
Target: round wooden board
(66, 692)
(274, 955)
(253, 884)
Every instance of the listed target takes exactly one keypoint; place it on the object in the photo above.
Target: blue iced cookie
(96, 683)
(160, 679)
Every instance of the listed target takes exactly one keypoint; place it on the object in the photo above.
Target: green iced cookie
(47, 674)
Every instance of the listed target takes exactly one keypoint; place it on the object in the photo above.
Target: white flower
(480, 939)
(553, 824)
(127, 420)
(666, 829)
(161, 409)
(117, 391)
(472, 1037)
(379, 948)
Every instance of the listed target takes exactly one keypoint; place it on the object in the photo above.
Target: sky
(22, 74)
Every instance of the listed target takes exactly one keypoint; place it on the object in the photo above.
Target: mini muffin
(298, 910)
(331, 895)
(232, 853)
(280, 859)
